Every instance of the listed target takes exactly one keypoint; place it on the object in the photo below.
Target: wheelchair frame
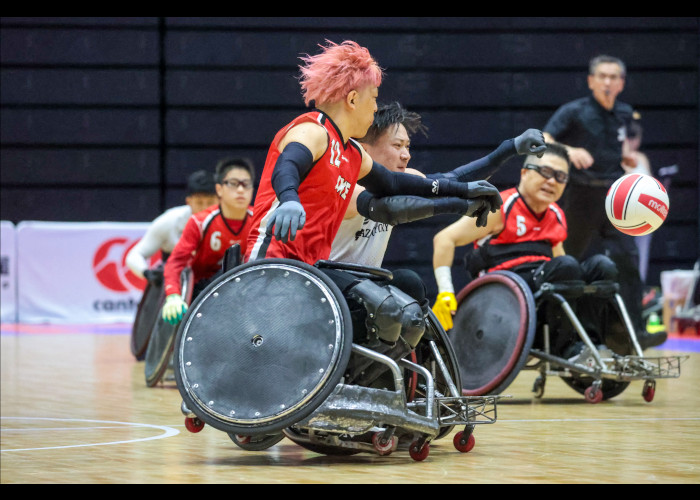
(599, 365)
(354, 418)
(602, 368)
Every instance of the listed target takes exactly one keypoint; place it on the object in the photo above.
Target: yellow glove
(445, 306)
(174, 308)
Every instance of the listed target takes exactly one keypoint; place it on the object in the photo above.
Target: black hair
(556, 149)
(201, 181)
(223, 167)
(393, 114)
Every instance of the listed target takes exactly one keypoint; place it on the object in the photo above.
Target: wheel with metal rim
(262, 346)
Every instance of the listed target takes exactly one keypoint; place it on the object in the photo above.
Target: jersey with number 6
(526, 236)
(203, 244)
(324, 193)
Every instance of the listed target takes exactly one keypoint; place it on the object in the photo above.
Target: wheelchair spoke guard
(262, 346)
(494, 328)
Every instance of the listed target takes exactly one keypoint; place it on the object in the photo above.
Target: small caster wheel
(538, 387)
(193, 424)
(593, 395)
(649, 391)
(241, 439)
(384, 447)
(463, 442)
(418, 452)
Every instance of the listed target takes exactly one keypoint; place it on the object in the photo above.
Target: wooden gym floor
(75, 409)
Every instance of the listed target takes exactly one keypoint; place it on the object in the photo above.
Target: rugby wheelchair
(268, 350)
(501, 327)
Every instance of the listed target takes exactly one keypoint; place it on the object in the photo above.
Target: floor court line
(167, 432)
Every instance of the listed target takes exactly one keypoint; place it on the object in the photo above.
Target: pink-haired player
(314, 163)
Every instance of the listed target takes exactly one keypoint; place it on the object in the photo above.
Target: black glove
(530, 142)
(472, 208)
(470, 190)
(154, 276)
(478, 208)
(482, 214)
(287, 220)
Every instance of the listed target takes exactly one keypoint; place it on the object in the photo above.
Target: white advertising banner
(8, 259)
(76, 272)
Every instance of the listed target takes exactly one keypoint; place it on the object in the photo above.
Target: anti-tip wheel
(464, 443)
(384, 447)
(649, 391)
(418, 452)
(593, 395)
(193, 424)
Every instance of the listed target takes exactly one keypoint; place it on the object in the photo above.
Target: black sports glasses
(549, 172)
(234, 183)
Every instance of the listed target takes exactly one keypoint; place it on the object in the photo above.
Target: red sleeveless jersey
(522, 225)
(203, 244)
(324, 193)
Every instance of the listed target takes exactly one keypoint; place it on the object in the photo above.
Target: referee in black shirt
(593, 129)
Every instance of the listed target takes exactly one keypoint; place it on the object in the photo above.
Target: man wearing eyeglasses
(208, 234)
(593, 129)
(525, 236)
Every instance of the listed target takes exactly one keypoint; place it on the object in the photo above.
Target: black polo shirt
(584, 123)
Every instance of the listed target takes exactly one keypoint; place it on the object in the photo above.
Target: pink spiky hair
(338, 69)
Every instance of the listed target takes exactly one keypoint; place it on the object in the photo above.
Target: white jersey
(163, 233)
(361, 241)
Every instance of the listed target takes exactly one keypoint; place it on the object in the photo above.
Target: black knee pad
(391, 313)
(412, 316)
(383, 312)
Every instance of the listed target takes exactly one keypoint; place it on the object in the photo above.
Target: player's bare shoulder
(310, 134)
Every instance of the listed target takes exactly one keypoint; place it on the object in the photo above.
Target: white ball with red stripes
(637, 204)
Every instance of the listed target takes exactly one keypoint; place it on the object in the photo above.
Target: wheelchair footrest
(637, 367)
(466, 410)
(621, 368)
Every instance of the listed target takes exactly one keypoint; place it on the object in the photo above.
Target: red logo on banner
(109, 264)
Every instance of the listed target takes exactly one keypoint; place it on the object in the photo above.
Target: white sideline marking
(625, 419)
(167, 431)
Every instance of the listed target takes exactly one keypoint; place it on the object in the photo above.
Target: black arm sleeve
(291, 169)
(401, 209)
(483, 168)
(383, 182)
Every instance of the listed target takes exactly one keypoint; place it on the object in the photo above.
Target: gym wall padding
(102, 119)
